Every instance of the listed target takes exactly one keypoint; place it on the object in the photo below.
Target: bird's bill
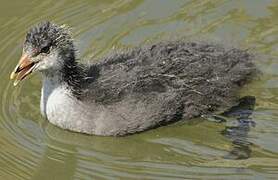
(24, 67)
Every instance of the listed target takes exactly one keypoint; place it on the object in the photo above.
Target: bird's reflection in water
(237, 131)
(76, 150)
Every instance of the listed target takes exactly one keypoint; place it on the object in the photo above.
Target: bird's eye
(45, 49)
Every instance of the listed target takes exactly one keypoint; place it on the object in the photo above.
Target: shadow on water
(237, 130)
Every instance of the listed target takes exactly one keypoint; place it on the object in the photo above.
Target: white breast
(61, 108)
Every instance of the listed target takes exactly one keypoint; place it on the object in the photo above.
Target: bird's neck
(70, 77)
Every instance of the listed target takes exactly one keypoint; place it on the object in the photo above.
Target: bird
(132, 90)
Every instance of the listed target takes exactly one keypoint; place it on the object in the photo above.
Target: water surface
(31, 148)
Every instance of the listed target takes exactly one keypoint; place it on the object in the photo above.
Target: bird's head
(46, 48)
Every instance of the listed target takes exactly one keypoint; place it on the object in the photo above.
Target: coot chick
(129, 92)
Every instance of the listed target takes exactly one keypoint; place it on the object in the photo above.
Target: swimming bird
(130, 91)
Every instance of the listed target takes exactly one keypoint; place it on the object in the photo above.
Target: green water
(31, 148)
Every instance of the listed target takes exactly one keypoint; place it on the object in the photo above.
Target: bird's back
(165, 82)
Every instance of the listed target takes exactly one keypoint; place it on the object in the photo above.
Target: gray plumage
(140, 89)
